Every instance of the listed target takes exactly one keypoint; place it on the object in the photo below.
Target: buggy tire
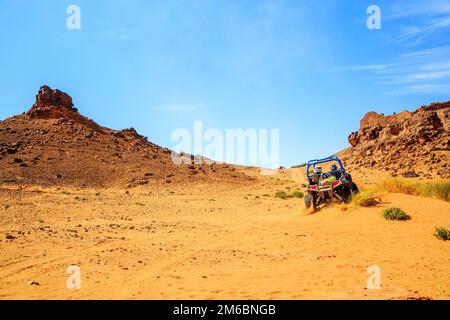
(353, 188)
(308, 201)
(349, 191)
(346, 194)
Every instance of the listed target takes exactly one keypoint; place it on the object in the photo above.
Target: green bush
(442, 233)
(365, 198)
(284, 195)
(395, 214)
(281, 195)
(297, 194)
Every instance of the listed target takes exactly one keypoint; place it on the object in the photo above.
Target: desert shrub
(365, 198)
(284, 195)
(439, 190)
(395, 214)
(297, 194)
(281, 195)
(442, 233)
(397, 185)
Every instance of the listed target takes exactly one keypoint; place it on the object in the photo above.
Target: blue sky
(309, 68)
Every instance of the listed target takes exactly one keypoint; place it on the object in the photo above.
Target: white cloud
(417, 72)
(420, 20)
(368, 67)
(421, 89)
(412, 8)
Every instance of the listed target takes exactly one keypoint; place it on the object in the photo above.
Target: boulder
(353, 139)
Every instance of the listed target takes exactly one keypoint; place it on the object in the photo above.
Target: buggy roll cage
(319, 161)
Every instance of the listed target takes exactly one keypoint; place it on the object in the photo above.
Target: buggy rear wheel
(349, 192)
(353, 188)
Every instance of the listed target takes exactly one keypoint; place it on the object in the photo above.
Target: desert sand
(216, 241)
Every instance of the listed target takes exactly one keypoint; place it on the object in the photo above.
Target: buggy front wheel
(308, 201)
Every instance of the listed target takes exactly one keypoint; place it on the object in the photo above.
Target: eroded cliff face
(410, 144)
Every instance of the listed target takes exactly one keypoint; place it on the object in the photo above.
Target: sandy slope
(216, 241)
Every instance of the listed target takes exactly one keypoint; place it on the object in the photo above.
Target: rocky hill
(53, 144)
(408, 144)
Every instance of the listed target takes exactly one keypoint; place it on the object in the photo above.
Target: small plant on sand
(442, 233)
(282, 195)
(297, 194)
(395, 214)
(66, 193)
(266, 195)
(365, 198)
(7, 206)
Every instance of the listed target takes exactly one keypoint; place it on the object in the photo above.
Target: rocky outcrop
(353, 139)
(49, 97)
(409, 144)
(51, 104)
(53, 144)
(55, 104)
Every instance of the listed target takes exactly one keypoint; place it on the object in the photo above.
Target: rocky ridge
(409, 144)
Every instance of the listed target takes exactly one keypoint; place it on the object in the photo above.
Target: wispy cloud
(420, 89)
(368, 67)
(426, 71)
(427, 52)
(420, 20)
(411, 8)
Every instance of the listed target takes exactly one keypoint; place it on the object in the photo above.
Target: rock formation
(411, 144)
(53, 144)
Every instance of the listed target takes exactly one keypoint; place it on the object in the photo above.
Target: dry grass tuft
(439, 190)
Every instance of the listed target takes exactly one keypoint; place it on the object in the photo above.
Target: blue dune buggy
(325, 187)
